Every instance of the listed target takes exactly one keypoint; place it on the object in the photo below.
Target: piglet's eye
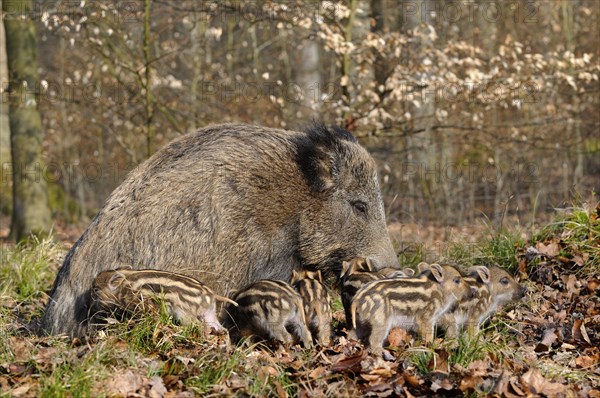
(504, 281)
(456, 281)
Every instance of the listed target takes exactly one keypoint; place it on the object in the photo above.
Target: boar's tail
(225, 299)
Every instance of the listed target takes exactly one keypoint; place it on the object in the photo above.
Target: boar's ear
(409, 272)
(319, 277)
(321, 170)
(345, 268)
(319, 154)
(482, 272)
(422, 266)
(295, 277)
(437, 271)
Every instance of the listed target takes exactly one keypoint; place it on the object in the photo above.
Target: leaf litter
(546, 346)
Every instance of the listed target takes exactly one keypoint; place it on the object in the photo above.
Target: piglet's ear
(295, 277)
(115, 281)
(319, 277)
(371, 264)
(437, 271)
(482, 272)
(422, 266)
(409, 272)
(345, 268)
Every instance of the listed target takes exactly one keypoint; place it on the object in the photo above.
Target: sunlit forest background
(471, 108)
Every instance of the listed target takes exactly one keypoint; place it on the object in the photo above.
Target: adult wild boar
(229, 205)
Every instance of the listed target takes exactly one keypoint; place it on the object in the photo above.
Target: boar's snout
(386, 258)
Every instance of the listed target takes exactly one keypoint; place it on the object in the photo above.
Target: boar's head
(345, 217)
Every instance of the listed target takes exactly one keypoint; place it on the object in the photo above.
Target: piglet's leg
(212, 323)
(377, 337)
(325, 334)
(301, 331)
(279, 333)
(426, 330)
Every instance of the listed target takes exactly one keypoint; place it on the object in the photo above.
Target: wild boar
(229, 205)
(186, 299)
(317, 307)
(269, 310)
(409, 303)
(355, 274)
(492, 288)
(389, 272)
(358, 272)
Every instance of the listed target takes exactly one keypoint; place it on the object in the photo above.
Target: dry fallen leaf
(587, 361)
(579, 331)
(441, 384)
(157, 388)
(125, 383)
(468, 383)
(349, 364)
(20, 391)
(439, 363)
(399, 337)
(537, 384)
(265, 371)
(593, 285)
(317, 372)
(281, 393)
(549, 250)
(550, 337)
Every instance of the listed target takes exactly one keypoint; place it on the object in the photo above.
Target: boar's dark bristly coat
(229, 205)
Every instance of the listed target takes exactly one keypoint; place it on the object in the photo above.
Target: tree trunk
(309, 79)
(380, 67)
(31, 211)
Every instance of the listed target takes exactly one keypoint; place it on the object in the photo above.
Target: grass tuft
(26, 270)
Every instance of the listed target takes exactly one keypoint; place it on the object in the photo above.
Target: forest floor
(546, 345)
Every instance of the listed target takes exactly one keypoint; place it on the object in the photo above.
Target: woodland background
(471, 108)
(483, 117)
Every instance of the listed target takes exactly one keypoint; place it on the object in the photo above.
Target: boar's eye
(504, 281)
(360, 207)
(456, 281)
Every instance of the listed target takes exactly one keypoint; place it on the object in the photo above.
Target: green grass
(214, 369)
(499, 248)
(421, 358)
(412, 255)
(25, 270)
(470, 349)
(74, 378)
(462, 351)
(579, 230)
